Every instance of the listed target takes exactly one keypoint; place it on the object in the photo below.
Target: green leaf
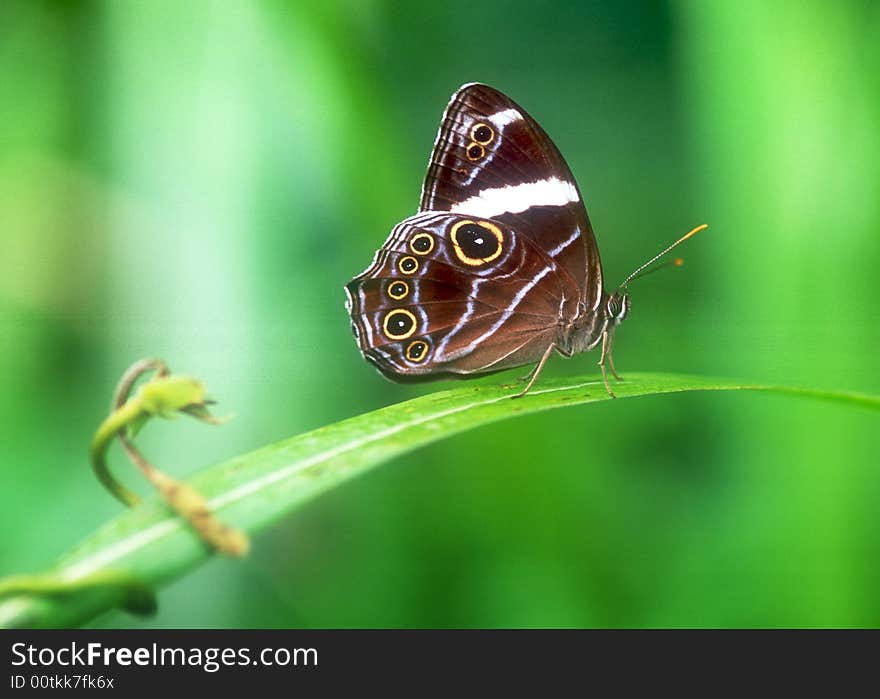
(166, 395)
(149, 544)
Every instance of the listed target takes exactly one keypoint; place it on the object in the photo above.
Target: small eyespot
(475, 243)
(422, 243)
(417, 350)
(482, 134)
(408, 265)
(399, 324)
(475, 152)
(398, 290)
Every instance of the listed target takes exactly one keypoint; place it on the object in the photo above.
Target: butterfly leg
(611, 356)
(528, 376)
(536, 370)
(606, 352)
(613, 370)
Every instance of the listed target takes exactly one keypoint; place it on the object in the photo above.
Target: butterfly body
(499, 268)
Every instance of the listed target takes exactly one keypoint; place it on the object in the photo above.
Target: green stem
(107, 432)
(129, 594)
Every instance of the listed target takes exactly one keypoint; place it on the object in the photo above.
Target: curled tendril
(164, 395)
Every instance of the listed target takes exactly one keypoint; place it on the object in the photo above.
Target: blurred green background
(198, 180)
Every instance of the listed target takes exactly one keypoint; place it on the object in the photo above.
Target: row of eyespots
(475, 243)
(420, 244)
(401, 324)
(481, 136)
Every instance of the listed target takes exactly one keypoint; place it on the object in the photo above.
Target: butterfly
(499, 268)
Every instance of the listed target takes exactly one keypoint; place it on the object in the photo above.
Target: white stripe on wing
(565, 243)
(503, 118)
(513, 199)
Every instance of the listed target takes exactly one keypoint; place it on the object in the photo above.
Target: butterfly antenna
(677, 262)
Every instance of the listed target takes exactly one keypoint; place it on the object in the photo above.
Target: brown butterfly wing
(500, 262)
(428, 313)
(492, 159)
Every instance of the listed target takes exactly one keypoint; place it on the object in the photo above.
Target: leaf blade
(253, 490)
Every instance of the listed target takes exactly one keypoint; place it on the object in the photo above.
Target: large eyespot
(398, 289)
(422, 243)
(482, 134)
(408, 265)
(399, 324)
(475, 152)
(476, 243)
(417, 351)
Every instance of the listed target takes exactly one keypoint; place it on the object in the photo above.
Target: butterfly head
(617, 306)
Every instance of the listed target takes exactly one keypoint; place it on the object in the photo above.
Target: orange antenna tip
(692, 233)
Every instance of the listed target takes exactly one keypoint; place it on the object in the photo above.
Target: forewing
(493, 160)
